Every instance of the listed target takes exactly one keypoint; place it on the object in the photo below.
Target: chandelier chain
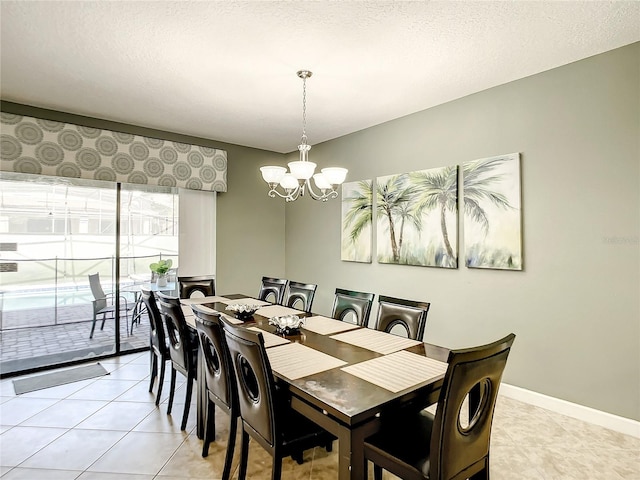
(304, 108)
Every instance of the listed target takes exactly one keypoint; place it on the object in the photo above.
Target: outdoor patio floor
(26, 343)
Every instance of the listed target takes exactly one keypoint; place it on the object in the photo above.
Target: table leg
(344, 456)
(356, 447)
(350, 439)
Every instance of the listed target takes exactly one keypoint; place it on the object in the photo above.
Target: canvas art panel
(492, 213)
(357, 216)
(417, 218)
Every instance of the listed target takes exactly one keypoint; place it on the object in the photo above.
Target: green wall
(575, 308)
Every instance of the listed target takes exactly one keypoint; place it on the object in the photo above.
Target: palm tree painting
(492, 214)
(417, 218)
(357, 211)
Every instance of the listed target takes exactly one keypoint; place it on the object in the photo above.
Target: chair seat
(403, 442)
(299, 433)
(107, 309)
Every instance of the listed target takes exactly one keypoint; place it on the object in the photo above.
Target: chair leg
(377, 472)
(136, 312)
(276, 469)
(126, 316)
(481, 475)
(298, 456)
(93, 326)
(154, 369)
(187, 402)
(172, 389)
(244, 455)
(160, 381)
(104, 319)
(231, 445)
(209, 427)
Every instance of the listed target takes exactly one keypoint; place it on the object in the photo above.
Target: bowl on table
(287, 324)
(242, 311)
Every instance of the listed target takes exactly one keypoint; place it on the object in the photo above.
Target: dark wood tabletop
(346, 405)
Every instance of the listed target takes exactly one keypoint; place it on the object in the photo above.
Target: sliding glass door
(57, 237)
(148, 233)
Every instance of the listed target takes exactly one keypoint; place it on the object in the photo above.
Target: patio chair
(104, 303)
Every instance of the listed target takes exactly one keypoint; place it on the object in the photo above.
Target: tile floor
(109, 429)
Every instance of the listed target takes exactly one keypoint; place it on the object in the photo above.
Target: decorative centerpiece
(287, 324)
(160, 268)
(242, 311)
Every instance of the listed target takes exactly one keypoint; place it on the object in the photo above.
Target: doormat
(38, 382)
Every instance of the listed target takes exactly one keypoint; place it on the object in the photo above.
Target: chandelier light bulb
(335, 175)
(273, 174)
(321, 182)
(289, 182)
(302, 170)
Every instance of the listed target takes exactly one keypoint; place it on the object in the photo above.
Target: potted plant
(161, 267)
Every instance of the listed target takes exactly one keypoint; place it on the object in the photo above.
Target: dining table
(339, 375)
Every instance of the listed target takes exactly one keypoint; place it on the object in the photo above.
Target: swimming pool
(46, 298)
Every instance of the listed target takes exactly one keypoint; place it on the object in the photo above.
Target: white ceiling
(227, 70)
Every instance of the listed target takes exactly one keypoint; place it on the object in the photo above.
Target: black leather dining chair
(408, 314)
(347, 303)
(157, 339)
(300, 295)
(220, 382)
(273, 289)
(204, 285)
(417, 445)
(183, 350)
(264, 409)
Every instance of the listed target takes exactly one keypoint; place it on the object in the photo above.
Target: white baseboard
(587, 414)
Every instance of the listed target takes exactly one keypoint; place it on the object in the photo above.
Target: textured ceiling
(227, 70)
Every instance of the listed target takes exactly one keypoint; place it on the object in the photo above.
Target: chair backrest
(300, 295)
(273, 288)
(405, 313)
(180, 342)
(156, 325)
(219, 377)
(205, 285)
(100, 298)
(349, 302)
(456, 445)
(254, 382)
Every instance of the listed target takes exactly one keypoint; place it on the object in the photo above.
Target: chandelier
(297, 181)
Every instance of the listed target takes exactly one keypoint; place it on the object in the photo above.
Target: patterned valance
(46, 147)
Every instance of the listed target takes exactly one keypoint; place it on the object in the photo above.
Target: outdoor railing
(49, 291)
